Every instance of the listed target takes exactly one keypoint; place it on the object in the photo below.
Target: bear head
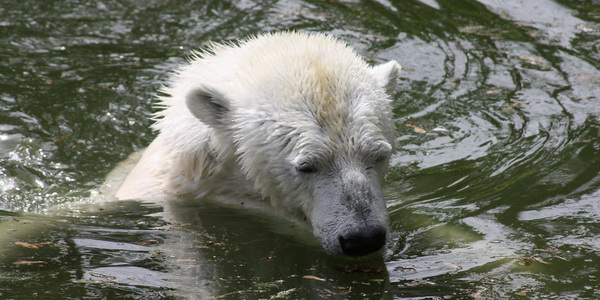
(310, 125)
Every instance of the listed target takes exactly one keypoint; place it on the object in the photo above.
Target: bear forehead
(327, 104)
(313, 73)
(296, 82)
(332, 101)
(319, 89)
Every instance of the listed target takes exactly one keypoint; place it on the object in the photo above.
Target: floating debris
(419, 282)
(344, 290)
(360, 269)
(405, 270)
(61, 139)
(532, 60)
(526, 291)
(455, 266)
(284, 294)
(29, 262)
(548, 250)
(32, 245)
(514, 104)
(588, 28)
(478, 294)
(535, 61)
(416, 129)
(313, 277)
(541, 260)
(146, 242)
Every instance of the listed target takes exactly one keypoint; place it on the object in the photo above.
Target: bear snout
(363, 241)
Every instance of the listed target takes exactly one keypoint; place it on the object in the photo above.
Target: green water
(494, 192)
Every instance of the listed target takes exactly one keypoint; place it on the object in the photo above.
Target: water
(493, 193)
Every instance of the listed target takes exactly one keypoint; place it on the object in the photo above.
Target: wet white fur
(240, 118)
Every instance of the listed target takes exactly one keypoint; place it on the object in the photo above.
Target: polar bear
(295, 121)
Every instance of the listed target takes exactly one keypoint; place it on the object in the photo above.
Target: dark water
(494, 192)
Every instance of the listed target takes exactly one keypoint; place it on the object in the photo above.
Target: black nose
(364, 241)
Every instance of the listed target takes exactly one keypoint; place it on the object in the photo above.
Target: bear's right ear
(208, 105)
(387, 75)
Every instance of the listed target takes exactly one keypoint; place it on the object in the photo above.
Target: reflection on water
(493, 192)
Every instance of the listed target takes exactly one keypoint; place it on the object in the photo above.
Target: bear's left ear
(387, 75)
(208, 105)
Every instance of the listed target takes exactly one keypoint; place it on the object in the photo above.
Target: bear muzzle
(364, 241)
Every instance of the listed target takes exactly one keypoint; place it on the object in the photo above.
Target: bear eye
(305, 167)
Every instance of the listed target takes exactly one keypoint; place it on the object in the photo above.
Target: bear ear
(208, 105)
(387, 75)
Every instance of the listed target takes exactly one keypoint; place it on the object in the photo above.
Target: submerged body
(296, 121)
